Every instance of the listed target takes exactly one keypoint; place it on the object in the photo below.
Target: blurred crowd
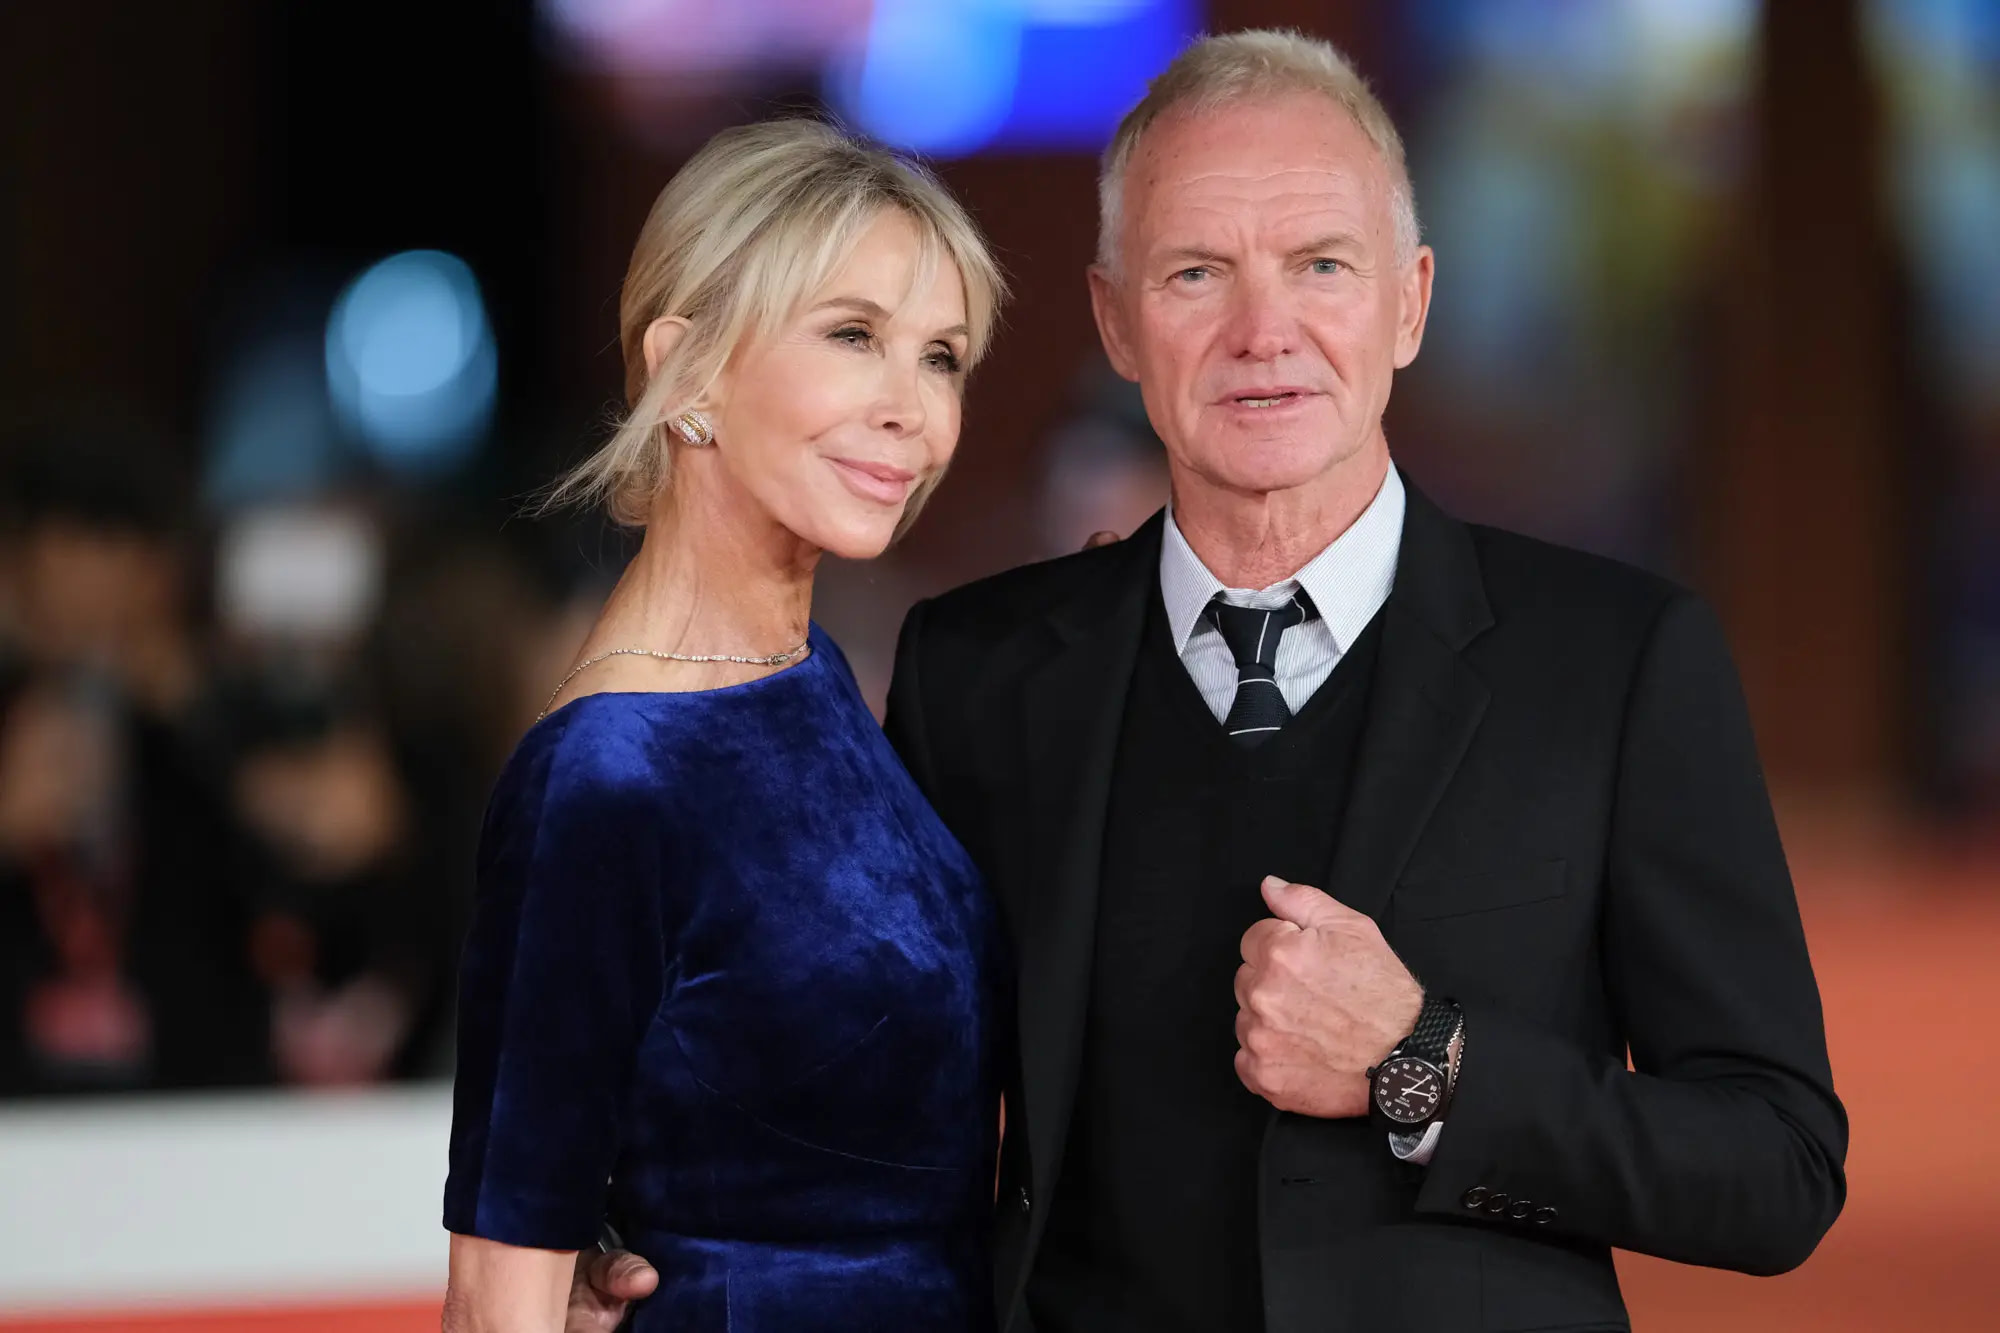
(245, 749)
(242, 764)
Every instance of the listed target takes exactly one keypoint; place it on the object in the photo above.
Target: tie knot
(1252, 633)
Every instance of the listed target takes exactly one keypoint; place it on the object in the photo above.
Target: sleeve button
(1544, 1215)
(1475, 1197)
(1521, 1210)
(1496, 1203)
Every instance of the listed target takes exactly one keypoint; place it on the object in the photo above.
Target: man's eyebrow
(1194, 252)
(1333, 240)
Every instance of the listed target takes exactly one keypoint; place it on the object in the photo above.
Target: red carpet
(1908, 955)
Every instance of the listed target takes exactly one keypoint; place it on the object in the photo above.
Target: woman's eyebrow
(875, 310)
(861, 304)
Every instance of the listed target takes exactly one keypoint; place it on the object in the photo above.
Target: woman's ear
(662, 336)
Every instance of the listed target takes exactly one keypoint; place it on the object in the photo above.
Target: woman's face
(833, 423)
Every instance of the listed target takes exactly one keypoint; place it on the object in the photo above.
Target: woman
(731, 982)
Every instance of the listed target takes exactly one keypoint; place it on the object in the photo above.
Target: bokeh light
(410, 361)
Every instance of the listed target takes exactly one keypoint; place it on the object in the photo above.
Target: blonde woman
(731, 981)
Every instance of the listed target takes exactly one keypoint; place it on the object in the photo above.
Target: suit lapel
(1425, 705)
(1073, 705)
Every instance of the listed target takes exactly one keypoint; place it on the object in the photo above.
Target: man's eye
(1327, 266)
(1191, 276)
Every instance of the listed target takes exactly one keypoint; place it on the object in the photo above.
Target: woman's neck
(715, 573)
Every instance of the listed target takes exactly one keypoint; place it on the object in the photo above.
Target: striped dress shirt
(1348, 582)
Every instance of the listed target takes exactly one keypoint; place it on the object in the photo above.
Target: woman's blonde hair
(756, 223)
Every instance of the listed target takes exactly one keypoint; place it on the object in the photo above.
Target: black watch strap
(1431, 1038)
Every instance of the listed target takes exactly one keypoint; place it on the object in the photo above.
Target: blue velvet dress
(733, 985)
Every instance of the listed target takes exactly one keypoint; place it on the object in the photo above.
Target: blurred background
(301, 301)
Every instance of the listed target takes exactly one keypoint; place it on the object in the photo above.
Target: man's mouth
(1267, 397)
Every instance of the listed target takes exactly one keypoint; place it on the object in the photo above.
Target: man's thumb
(1301, 904)
(627, 1277)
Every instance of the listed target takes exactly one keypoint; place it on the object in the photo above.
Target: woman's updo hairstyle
(751, 228)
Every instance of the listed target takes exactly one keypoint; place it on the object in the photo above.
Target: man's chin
(1253, 476)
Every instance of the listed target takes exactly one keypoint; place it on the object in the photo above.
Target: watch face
(1408, 1090)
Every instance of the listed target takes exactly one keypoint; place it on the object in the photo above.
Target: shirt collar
(1347, 582)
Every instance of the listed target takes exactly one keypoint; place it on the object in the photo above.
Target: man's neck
(1254, 541)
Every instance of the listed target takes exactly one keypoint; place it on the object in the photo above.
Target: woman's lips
(880, 482)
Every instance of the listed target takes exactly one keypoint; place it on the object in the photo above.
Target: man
(1524, 777)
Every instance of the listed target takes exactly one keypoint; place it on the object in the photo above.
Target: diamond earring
(695, 428)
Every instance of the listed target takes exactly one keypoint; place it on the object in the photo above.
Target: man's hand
(604, 1285)
(1320, 998)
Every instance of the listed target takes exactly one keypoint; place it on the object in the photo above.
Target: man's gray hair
(1245, 66)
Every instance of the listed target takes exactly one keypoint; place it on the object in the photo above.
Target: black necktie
(1259, 709)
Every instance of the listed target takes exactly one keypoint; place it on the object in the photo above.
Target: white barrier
(212, 1200)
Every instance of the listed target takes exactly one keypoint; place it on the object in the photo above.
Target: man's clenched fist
(1320, 998)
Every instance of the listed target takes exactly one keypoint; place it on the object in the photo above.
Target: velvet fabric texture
(731, 984)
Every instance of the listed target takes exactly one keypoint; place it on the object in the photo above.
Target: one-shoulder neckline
(816, 640)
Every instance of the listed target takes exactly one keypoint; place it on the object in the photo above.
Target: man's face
(1260, 303)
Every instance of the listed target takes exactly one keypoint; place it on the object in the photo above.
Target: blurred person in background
(1103, 472)
(729, 980)
(350, 937)
(124, 899)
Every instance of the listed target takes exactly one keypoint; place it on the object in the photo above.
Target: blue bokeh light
(410, 362)
(950, 80)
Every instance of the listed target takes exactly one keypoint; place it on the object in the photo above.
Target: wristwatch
(1412, 1085)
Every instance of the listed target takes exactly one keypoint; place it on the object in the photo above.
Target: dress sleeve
(562, 974)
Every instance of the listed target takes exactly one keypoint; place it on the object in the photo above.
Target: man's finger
(1258, 938)
(1246, 977)
(1301, 904)
(1097, 539)
(623, 1276)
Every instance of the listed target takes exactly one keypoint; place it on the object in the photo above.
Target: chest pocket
(1493, 889)
(1513, 931)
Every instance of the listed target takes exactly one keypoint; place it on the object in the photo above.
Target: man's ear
(1107, 304)
(662, 336)
(1416, 297)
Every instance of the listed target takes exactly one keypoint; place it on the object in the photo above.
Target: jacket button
(1475, 1197)
(1544, 1215)
(1521, 1209)
(1496, 1203)
(1022, 1196)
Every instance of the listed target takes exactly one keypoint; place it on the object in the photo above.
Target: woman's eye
(854, 336)
(943, 359)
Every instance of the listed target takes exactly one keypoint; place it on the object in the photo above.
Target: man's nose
(1263, 323)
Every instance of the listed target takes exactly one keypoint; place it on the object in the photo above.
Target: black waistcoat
(1154, 1221)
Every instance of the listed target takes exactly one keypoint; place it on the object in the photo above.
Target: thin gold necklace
(775, 659)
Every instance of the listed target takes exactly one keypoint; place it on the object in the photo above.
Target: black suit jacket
(1557, 817)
